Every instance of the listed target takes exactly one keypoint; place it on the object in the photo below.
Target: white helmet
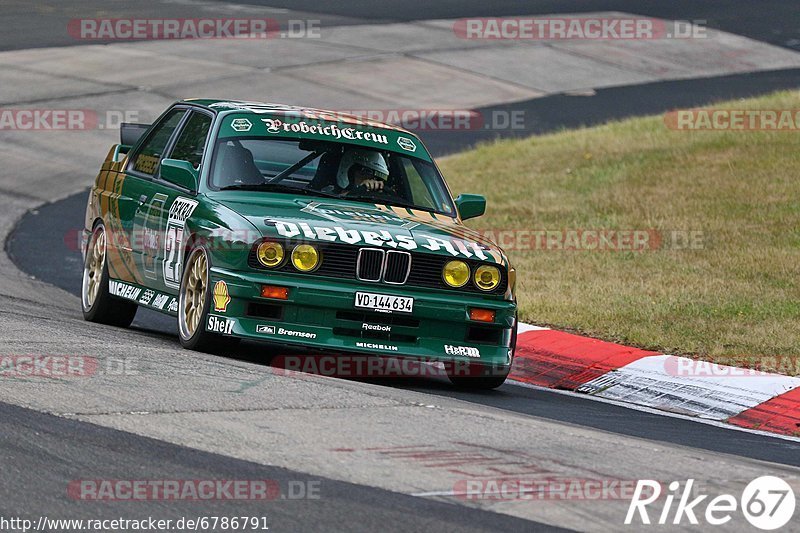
(368, 159)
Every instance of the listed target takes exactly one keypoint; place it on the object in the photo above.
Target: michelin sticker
(241, 124)
(375, 346)
(123, 290)
(407, 144)
(181, 209)
(141, 296)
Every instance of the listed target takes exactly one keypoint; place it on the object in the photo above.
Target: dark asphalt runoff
(44, 455)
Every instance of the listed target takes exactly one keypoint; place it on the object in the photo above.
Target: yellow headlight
(487, 277)
(456, 273)
(270, 254)
(305, 257)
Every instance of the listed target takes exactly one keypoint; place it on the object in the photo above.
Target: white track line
(653, 411)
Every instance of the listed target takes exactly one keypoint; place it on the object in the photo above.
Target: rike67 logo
(767, 502)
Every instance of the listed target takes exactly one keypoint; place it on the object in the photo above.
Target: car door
(163, 214)
(129, 196)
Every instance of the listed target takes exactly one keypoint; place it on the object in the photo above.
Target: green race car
(297, 227)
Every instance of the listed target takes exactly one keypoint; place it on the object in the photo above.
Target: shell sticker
(221, 297)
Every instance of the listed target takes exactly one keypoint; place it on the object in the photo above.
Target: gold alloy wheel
(193, 293)
(93, 267)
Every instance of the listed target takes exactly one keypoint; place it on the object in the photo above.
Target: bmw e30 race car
(298, 227)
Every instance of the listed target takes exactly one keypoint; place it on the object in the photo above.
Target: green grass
(736, 296)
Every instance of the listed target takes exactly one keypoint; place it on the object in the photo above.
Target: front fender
(226, 235)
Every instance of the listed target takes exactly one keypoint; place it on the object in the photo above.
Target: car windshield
(329, 169)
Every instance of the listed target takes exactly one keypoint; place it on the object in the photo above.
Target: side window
(150, 154)
(192, 140)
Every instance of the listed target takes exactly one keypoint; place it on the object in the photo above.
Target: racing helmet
(369, 159)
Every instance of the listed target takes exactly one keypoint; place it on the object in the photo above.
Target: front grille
(342, 261)
(369, 266)
(398, 267)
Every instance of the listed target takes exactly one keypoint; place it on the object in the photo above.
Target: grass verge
(721, 210)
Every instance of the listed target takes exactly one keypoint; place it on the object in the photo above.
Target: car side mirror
(180, 173)
(470, 205)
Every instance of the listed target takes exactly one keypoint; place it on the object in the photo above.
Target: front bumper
(320, 314)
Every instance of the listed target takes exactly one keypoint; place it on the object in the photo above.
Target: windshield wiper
(276, 187)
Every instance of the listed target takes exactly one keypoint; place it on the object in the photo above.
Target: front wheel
(194, 301)
(96, 302)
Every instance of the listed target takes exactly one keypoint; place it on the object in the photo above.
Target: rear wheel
(194, 302)
(96, 302)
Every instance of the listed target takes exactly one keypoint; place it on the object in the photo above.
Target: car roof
(265, 108)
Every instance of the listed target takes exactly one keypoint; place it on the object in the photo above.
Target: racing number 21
(171, 257)
(181, 210)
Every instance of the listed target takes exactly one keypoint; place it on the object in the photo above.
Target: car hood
(362, 224)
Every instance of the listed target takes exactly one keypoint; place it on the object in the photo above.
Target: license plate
(384, 302)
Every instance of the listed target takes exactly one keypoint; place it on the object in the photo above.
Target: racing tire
(97, 303)
(194, 302)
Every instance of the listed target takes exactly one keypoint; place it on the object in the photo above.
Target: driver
(362, 168)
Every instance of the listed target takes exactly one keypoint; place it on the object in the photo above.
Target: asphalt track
(42, 453)
(773, 21)
(35, 237)
(55, 448)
